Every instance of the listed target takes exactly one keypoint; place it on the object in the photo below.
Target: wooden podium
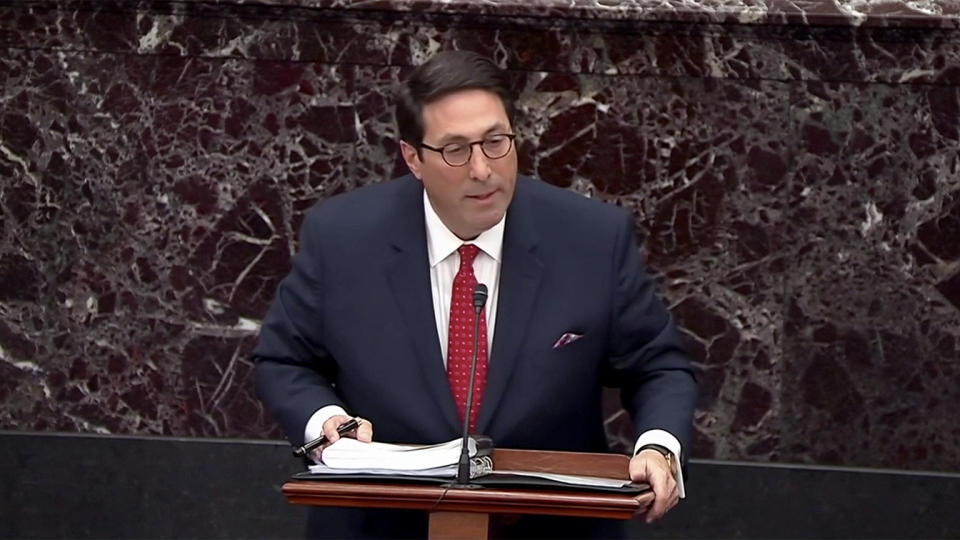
(465, 513)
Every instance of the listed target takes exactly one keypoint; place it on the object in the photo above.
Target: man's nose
(479, 164)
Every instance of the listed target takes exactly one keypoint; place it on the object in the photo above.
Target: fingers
(651, 467)
(363, 432)
(645, 503)
(331, 425)
(665, 496)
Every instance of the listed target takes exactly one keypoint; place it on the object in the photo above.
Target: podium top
(489, 500)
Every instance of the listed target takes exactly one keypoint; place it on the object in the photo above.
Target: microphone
(463, 470)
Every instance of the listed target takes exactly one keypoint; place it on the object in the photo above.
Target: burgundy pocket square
(566, 339)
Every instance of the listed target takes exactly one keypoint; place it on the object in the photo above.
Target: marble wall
(793, 169)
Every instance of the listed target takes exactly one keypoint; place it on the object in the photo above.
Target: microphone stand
(463, 469)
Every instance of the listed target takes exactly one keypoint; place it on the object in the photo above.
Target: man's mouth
(482, 197)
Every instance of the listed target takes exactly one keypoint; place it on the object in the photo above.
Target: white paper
(354, 455)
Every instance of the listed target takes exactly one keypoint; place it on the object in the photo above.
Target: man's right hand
(363, 433)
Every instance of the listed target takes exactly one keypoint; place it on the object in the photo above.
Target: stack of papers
(350, 456)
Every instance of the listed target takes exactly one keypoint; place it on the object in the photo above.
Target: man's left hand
(652, 467)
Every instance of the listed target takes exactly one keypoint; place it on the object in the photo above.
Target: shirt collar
(441, 242)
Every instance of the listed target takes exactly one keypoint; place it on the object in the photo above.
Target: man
(370, 321)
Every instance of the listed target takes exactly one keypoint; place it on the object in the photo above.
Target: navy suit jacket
(353, 324)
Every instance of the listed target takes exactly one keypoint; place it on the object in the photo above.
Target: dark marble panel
(150, 215)
(796, 186)
(734, 500)
(872, 335)
(900, 13)
(206, 252)
(693, 161)
(563, 44)
(124, 487)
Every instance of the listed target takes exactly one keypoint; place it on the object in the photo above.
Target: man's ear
(410, 156)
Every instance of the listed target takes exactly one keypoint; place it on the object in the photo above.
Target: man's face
(472, 198)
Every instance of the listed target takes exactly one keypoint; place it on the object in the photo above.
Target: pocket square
(566, 339)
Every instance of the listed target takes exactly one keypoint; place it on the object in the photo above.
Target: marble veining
(928, 13)
(792, 169)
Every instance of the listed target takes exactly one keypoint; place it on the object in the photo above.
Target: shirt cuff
(314, 427)
(668, 441)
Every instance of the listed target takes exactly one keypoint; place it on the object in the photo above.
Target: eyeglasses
(458, 154)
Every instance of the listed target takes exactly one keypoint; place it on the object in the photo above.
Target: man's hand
(363, 433)
(651, 467)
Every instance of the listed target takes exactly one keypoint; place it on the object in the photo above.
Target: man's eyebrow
(453, 138)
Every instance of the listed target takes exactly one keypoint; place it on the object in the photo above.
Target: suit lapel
(520, 274)
(408, 273)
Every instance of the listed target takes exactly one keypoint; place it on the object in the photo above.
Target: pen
(342, 430)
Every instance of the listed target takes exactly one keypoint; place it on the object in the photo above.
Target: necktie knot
(468, 252)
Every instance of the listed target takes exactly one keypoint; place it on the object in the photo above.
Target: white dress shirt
(442, 247)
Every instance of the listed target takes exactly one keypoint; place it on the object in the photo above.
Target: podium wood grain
(464, 513)
(485, 500)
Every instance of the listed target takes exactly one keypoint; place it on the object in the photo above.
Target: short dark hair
(443, 74)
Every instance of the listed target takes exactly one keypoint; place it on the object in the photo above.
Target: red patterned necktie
(460, 337)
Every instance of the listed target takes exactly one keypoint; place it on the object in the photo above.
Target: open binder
(349, 460)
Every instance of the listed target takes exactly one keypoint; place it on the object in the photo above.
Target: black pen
(342, 430)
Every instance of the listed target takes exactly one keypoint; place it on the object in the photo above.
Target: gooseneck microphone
(463, 471)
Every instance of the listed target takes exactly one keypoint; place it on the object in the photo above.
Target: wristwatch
(667, 454)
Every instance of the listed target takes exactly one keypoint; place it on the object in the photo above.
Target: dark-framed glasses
(458, 154)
